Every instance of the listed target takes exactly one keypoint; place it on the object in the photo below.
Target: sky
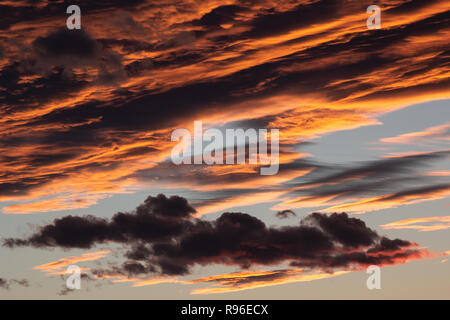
(87, 179)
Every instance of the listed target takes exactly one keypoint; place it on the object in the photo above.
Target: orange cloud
(434, 134)
(56, 266)
(393, 200)
(442, 173)
(230, 282)
(420, 224)
(55, 204)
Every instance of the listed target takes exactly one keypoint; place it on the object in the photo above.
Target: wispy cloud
(57, 267)
(420, 224)
(437, 134)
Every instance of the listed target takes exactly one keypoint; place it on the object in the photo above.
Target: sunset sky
(86, 176)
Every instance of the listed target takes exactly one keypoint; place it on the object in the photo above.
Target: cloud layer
(84, 112)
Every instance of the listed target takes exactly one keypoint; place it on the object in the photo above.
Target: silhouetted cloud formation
(157, 219)
(163, 237)
(285, 214)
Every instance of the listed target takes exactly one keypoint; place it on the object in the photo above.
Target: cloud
(285, 214)
(57, 267)
(251, 280)
(437, 134)
(383, 168)
(442, 173)
(3, 283)
(75, 50)
(230, 282)
(409, 196)
(420, 224)
(369, 185)
(54, 204)
(32, 12)
(158, 218)
(6, 284)
(163, 237)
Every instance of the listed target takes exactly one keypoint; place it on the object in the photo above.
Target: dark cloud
(220, 15)
(384, 168)
(304, 15)
(285, 214)
(411, 6)
(418, 191)
(157, 219)
(163, 237)
(171, 173)
(70, 49)
(66, 42)
(26, 11)
(6, 284)
(382, 176)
